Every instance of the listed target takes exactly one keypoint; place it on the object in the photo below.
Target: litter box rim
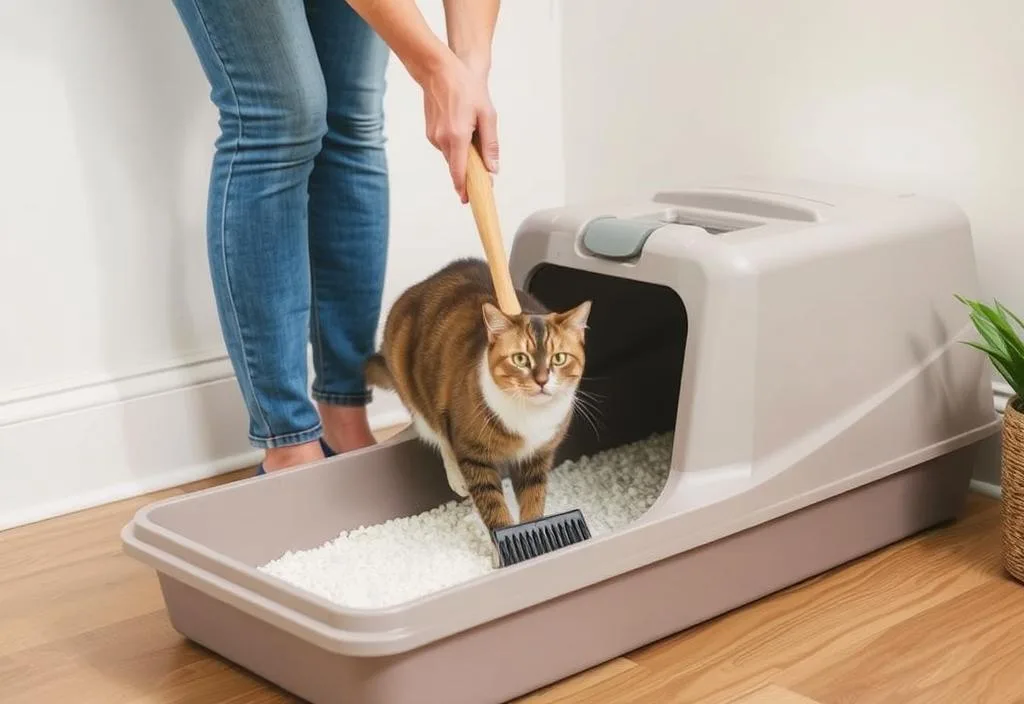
(499, 594)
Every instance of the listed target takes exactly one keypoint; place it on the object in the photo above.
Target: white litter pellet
(406, 558)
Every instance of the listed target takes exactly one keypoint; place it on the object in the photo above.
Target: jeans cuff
(361, 399)
(298, 438)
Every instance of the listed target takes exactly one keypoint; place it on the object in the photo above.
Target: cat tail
(377, 373)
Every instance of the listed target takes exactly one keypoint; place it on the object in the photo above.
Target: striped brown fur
(492, 392)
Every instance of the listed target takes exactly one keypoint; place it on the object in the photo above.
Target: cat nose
(541, 377)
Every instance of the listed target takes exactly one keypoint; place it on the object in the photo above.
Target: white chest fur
(535, 423)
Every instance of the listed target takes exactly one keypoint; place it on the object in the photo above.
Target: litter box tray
(802, 344)
(501, 635)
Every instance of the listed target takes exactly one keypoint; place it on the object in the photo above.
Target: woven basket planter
(1013, 490)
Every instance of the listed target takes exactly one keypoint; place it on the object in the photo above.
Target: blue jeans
(298, 210)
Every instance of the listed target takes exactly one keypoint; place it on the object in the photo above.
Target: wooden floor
(931, 620)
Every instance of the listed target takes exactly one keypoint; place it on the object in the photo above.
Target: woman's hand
(456, 105)
(454, 78)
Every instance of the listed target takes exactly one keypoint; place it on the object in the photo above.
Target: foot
(346, 428)
(278, 458)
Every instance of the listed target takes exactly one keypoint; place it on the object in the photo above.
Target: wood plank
(581, 685)
(773, 694)
(140, 659)
(74, 599)
(966, 649)
(77, 537)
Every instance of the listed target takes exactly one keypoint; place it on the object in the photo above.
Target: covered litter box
(800, 342)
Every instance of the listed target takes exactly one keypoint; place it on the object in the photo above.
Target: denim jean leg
(349, 203)
(267, 85)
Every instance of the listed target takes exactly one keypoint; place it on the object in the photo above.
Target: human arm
(470, 25)
(470, 28)
(402, 27)
(454, 97)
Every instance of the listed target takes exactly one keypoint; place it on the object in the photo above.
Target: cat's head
(536, 358)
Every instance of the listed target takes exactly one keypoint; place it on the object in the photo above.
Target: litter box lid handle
(619, 239)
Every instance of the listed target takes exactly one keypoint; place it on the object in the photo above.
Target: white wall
(113, 378)
(919, 94)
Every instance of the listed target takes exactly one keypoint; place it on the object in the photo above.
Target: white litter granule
(405, 558)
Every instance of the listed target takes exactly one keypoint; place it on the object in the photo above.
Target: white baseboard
(1001, 392)
(34, 403)
(63, 450)
(992, 490)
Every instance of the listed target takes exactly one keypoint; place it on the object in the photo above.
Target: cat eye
(559, 358)
(520, 359)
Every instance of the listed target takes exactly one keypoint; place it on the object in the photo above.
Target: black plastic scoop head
(520, 542)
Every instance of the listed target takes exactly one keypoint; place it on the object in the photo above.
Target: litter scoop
(523, 541)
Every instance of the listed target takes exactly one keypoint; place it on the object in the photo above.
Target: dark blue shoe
(328, 452)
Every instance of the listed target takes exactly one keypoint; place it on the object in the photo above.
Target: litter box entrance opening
(636, 338)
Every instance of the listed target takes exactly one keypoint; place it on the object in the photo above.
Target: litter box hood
(819, 326)
(801, 341)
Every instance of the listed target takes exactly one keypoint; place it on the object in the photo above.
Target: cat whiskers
(591, 395)
(589, 411)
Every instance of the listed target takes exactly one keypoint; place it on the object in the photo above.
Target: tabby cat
(489, 391)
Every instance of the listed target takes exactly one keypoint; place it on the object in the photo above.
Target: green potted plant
(997, 327)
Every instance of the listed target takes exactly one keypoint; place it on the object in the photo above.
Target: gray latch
(616, 238)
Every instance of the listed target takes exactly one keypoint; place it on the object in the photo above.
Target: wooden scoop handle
(481, 200)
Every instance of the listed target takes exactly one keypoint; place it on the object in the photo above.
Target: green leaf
(1007, 311)
(1001, 342)
(1006, 333)
(989, 332)
(996, 330)
(1012, 379)
(994, 353)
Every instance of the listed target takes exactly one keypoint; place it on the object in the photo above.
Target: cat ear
(577, 317)
(496, 321)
